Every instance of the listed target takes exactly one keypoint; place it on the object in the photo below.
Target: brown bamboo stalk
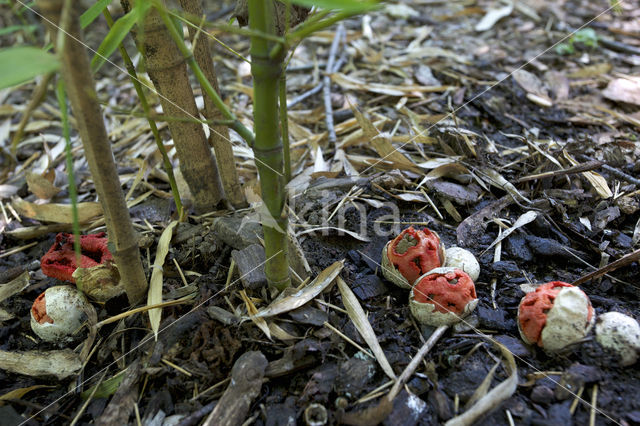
(86, 109)
(168, 72)
(219, 136)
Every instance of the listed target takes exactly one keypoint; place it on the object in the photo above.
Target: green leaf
(564, 49)
(586, 36)
(93, 12)
(346, 5)
(13, 28)
(118, 32)
(22, 63)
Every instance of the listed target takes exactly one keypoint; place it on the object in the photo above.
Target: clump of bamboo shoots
(86, 109)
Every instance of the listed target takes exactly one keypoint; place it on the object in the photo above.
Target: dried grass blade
(496, 179)
(359, 318)
(56, 213)
(596, 180)
(155, 285)
(524, 218)
(303, 296)
(252, 311)
(382, 143)
(15, 286)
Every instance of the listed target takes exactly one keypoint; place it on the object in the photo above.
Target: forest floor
(514, 138)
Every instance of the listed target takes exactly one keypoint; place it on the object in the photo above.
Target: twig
(590, 165)
(417, 359)
(317, 89)
(623, 261)
(614, 171)
(328, 110)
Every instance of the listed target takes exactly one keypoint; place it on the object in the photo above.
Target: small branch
(417, 359)
(594, 164)
(317, 89)
(623, 261)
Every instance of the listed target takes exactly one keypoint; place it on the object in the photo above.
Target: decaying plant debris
(457, 116)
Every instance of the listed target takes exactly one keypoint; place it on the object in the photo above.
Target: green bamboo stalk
(266, 73)
(284, 127)
(131, 69)
(202, 79)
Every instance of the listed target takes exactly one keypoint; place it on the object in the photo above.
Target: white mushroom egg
(58, 313)
(621, 334)
(460, 258)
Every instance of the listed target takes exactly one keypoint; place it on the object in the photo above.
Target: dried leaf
(60, 364)
(382, 143)
(5, 316)
(530, 83)
(352, 83)
(359, 318)
(280, 334)
(155, 285)
(303, 296)
(253, 311)
(496, 179)
(595, 179)
(56, 213)
(15, 286)
(40, 186)
(493, 16)
(20, 392)
(525, 218)
(624, 90)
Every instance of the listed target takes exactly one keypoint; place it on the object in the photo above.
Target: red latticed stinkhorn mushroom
(411, 254)
(554, 316)
(60, 261)
(58, 313)
(443, 296)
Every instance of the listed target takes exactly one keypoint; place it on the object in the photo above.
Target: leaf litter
(432, 142)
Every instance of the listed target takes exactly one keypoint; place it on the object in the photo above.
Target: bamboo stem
(168, 72)
(147, 112)
(202, 79)
(284, 126)
(84, 102)
(266, 73)
(219, 135)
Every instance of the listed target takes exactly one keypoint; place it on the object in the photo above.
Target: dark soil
(322, 367)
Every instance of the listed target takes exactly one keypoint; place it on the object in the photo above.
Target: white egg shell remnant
(568, 320)
(425, 313)
(621, 334)
(66, 306)
(390, 272)
(460, 258)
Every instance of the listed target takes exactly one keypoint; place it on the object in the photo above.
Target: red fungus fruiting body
(60, 261)
(535, 307)
(450, 291)
(39, 310)
(415, 252)
(443, 296)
